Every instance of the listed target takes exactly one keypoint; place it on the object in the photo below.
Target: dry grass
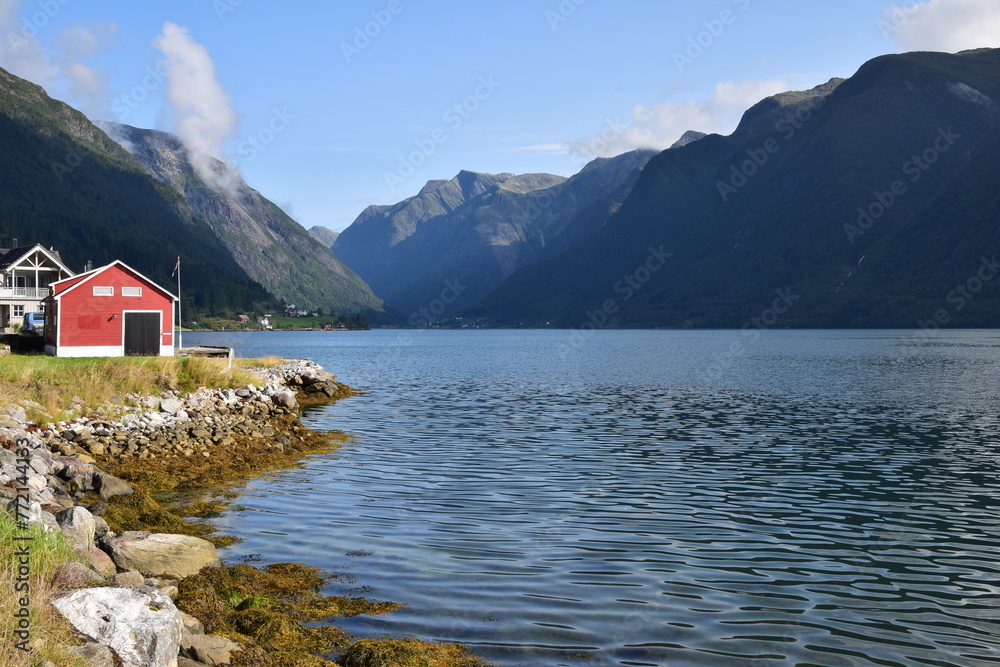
(49, 387)
(267, 361)
(50, 633)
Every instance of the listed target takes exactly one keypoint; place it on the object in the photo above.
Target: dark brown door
(142, 334)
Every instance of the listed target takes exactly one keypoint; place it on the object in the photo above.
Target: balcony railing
(32, 293)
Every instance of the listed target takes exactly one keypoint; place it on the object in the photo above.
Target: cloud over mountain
(943, 25)
(659, 126)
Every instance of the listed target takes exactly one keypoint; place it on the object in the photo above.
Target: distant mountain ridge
(272, 248)
(327, 237)
(475, 230)
(867, 202)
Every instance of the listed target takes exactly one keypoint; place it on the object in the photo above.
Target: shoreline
(121, 486)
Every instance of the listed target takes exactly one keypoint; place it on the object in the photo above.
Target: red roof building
(112, 311)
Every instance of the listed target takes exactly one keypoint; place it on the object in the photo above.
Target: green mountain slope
(871, 203)
(269, 245)
(64, 183)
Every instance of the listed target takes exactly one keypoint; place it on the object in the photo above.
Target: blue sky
(329, 107)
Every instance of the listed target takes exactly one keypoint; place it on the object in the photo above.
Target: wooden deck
(206, 351)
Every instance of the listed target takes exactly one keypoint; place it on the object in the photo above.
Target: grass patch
(50, 632)
(54, 389)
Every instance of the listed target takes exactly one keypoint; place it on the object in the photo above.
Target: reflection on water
(824, 498)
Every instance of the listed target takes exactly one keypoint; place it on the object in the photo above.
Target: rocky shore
(59, 475)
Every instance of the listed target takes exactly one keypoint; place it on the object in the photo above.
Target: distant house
(243, 319)
(112, 311)
(25, 275)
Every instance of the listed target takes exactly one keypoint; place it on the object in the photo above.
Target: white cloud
(7, 8)
(20, 52)
(88, 86)
(943, 25)
(202, 114)
(660, 126)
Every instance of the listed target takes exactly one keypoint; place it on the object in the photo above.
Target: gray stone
(94, 655)
(100, 527)
(109, 485)
(285, 399)
(192, 625)
(101, 562)
(40, 465)
(130, 578)
(75, 575)
(150, 402)
(141, 626)
(72, 468)
(187, 662)
(208, 649)
(77, 524)
(174, 556)
(171, 405)
(168, 587)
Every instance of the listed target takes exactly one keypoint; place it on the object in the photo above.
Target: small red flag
(177, 267)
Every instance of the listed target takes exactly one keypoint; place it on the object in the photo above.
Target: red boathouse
(112, 311)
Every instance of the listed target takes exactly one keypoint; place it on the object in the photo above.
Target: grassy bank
(53, 389)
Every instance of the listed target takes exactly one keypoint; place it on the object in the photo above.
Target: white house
(25, 275)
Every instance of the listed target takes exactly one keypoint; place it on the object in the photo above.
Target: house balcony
(25, 293)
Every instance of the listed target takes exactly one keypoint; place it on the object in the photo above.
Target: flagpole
(180, 322)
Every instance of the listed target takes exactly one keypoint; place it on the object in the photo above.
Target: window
(18, 311)
(131, 291)
(104, 291)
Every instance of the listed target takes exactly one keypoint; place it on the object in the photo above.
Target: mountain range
(456, 241)
(868, 202)
(65, 183)
(871, 201)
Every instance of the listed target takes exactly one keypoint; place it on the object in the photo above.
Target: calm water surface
(654, 498)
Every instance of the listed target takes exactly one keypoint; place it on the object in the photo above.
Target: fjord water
(651, 497)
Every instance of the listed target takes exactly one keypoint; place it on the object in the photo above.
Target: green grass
(48, 387)
(50, 633)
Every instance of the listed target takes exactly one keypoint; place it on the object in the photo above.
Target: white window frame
(99, 290)
(132, 291)
(15, 309)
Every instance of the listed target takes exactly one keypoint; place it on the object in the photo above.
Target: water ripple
(632, 516)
